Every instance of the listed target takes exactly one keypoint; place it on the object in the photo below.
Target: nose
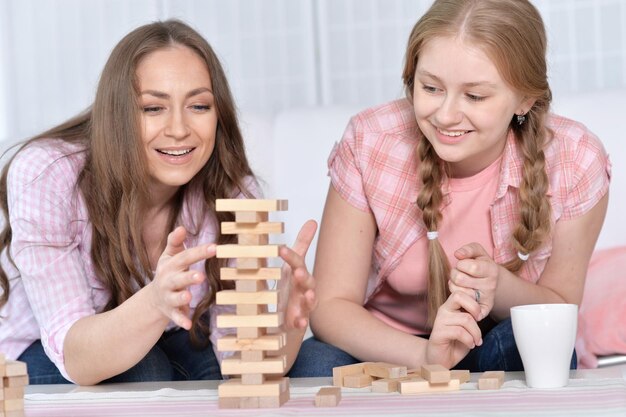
(449, 112)
(177, 125)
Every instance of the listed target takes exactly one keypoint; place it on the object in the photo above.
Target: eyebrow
(160, 94)
(470, 84)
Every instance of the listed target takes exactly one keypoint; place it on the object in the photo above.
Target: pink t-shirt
(55, 283)
(398, 302)
(375, 169)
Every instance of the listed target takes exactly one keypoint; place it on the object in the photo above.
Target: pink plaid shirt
(53, 282)
(374, 168)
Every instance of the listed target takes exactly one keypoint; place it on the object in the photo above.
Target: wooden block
(491, 380)
(422, 386)
(15, 381)
(238, 297)
(253, 402)
(252, 379)
(3, 359)
(248, 240)
(250, 286)
(13, 393)
(235, 366)
(357, 381)
(14, 404)
(237, 204)
(385, 385)
(251, 263)
(328, 397)
(261, 320)
(246, 251)
(436, 374)
(250, 309)
(339, 372)
(250, 332)
(252, 355)
(15, 368)
(250, 217)
(385, 370)
(250, 274)
(234, 388)
(463, 375)
(267, 342)
(253, 228)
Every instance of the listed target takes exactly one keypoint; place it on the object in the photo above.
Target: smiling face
(178, 116)
(462, 104)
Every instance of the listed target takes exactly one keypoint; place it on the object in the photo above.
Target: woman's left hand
(477, 275)
(297, 286)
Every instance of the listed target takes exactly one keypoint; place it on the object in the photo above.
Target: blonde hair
(115, 190)
(512, 34)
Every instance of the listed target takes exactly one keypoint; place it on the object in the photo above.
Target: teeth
(176, 152)
(453, 134)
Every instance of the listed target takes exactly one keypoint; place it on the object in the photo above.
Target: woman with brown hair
(452, 205)
(108, 264)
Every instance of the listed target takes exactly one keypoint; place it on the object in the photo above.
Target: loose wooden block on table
(385, 370)
(357, 381)
(250, 205)
(491, 380)
(385, 385)
(463, 375)
(339, 372)
(435, 374)
(328, 397)
(421, 386)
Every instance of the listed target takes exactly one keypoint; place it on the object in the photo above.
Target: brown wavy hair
(115, 190)
(512, 34)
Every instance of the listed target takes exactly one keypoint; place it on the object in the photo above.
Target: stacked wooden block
(253, 343)
(14, 378)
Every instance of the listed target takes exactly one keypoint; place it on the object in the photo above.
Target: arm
(562, 280)
(342, 267)
(103, 345)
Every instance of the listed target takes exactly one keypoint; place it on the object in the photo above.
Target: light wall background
(278, 54)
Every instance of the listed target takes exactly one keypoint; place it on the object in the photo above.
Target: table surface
(597, 392)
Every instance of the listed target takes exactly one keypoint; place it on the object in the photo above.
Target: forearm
(364, 336)
(513, 291)
(104, 345)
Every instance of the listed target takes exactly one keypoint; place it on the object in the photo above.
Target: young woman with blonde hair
(452, 205)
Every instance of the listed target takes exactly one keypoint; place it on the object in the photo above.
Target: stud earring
(520, 119)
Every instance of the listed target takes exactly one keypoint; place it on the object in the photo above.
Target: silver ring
(477, 295)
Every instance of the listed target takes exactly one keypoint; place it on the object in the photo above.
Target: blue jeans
(498, 352)
(173, 358)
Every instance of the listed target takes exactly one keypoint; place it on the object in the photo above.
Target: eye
(429, 88)
(474, 97)
(152, 109)
(200, 108)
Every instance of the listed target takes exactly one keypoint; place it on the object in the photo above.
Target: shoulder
(395, 117)
(573, 144)
(53, 161)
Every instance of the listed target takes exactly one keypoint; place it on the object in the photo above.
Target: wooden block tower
(253, 344)
(13, 379)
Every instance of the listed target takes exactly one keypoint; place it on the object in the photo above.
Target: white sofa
(289, 151)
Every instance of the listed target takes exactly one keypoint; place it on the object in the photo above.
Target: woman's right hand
(169, 288)
(455, 331)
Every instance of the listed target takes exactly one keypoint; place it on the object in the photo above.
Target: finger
(477, 268)
(180, 319)
(188, 257)
(471, 250)
(291, 257)
(175, 241)
(305, 237)
(460, 300)
(462, 327)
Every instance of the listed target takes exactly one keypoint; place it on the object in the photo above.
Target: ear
(526, 104)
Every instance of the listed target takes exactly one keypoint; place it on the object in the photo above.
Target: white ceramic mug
(545, 335)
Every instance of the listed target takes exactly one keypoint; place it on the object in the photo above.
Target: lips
(451, 137)
(175, 152)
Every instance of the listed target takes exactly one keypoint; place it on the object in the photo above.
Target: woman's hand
(477, 275)
(455, 331)
(169, 288)
(297, 287)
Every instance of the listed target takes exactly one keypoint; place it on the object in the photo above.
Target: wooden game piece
(357, 381)
(15, 368)
(272, 393)
(250, 286)
(251, 217)
(251, 263)
(435, 374)
(491, 380)
(12, 393)
(421, 386)
(237, 205)
(463, 375)
(252, 228)
(261, 320)
(385, 370)
(339, 372)
(253, 240)
(252, 355)
(246, 251)
(385, 385)
(267, 342)
(328, 397)
(235, 366)
(238, 297)
(250, 274)
(250, 332)
(14, 404)
(252, 379)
